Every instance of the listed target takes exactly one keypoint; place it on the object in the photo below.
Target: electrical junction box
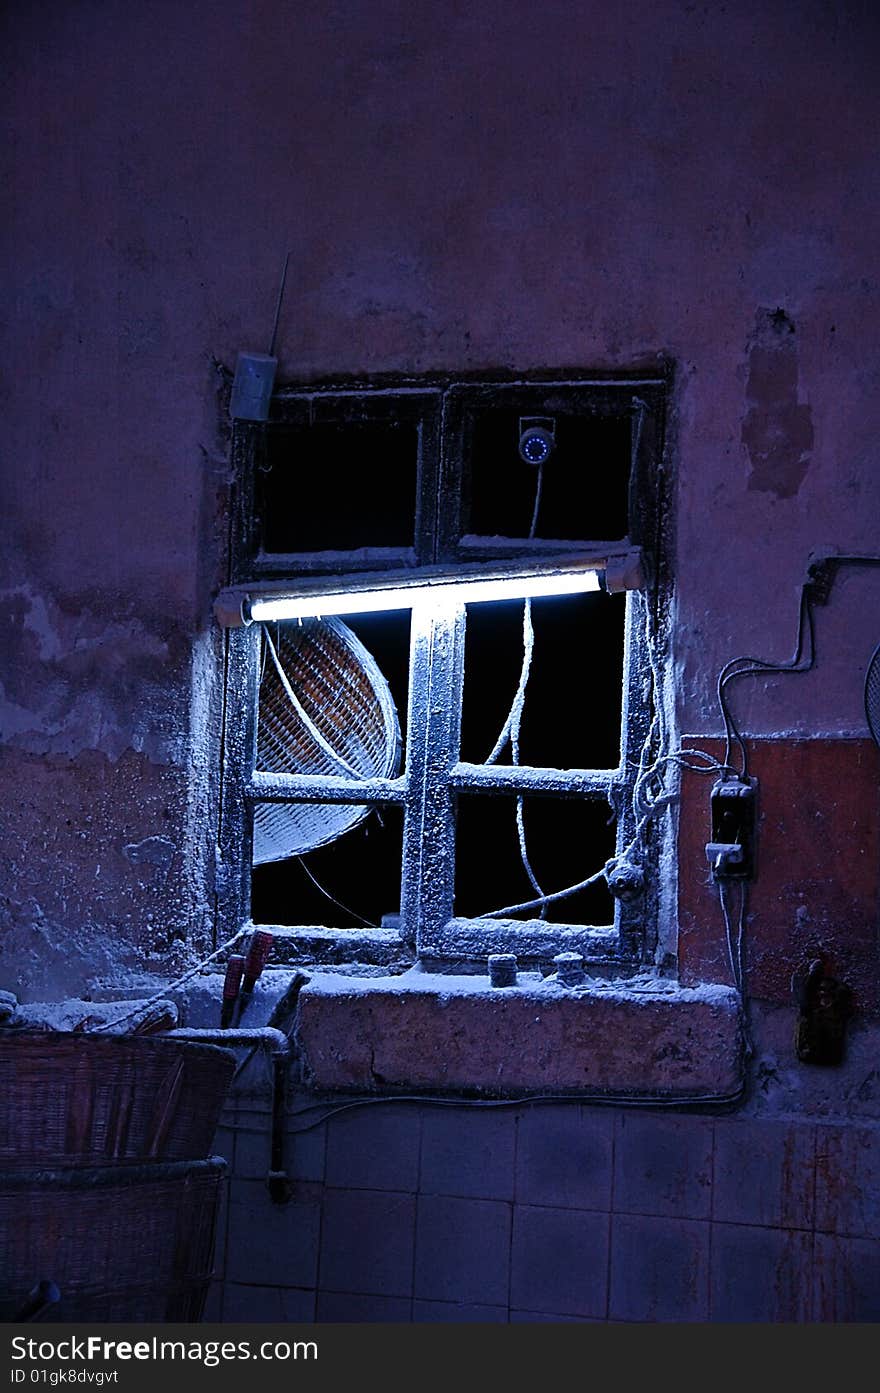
(252, 386)
(731, 851)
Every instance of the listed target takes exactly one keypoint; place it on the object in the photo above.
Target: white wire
(544, 899)
(728, 934)
(515, 714)
(515, 723)
(333, 755)
(171, 986)
(511, 728)
(657, 805)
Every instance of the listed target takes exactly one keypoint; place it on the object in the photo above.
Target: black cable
(815, 589)
(731, 671)
(591, 1099)
(745, 998)
(367, 923)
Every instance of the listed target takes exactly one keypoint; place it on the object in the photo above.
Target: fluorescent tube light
(309, 597)
(452, 592)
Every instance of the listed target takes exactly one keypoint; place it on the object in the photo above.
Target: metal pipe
(277, 1179)
(214, 1035)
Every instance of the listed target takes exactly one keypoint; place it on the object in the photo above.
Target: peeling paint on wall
(777, 430)
(157, 852)
(674, 175)
(77, 680)
(91, 879)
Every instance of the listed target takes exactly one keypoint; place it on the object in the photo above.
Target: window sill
(645, 1038)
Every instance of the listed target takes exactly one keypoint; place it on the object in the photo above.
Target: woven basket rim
(94, 1177)
(92, 1040)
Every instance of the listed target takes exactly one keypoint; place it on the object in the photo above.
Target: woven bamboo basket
(122, 1243)
(325, 708)
(88, 1100)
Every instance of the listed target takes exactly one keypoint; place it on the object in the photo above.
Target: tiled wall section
(550, 1212)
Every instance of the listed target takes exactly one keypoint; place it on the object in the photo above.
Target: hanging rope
(511, 728)
(649, 795)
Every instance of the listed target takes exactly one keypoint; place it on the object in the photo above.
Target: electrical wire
(614, 1100)
(656, 736)
(653, 807)
(332, 898)
(590, 1099)
(657, 805)
(511, 729)
(178, 982)
(802, 661)
(514, 716)
(537, 505)
(740, 937)
(544, 900)
(804, 655)
(520, 801)
(736, 954)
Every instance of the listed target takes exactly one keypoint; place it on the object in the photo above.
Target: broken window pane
(567, 839)
(585, 483)
(350, 883)
(572, 707)
(337, 486)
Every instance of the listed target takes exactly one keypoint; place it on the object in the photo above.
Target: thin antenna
(278, 307)
(255, 374)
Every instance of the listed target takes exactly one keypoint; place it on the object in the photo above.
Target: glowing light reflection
(449, 593)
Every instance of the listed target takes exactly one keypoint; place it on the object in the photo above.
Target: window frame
(434, 776)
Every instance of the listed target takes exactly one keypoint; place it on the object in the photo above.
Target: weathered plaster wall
(461, 186)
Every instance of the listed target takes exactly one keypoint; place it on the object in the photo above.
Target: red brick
(817, 887)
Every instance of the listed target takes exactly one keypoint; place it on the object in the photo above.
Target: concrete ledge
(435, 1033)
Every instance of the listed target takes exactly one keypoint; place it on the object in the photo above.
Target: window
(522, 721)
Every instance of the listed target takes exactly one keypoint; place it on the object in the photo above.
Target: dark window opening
(572, 707)
(566, 840)
(351, 883)
(585, 484)
(337, 486)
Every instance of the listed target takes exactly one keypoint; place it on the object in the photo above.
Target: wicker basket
(122, 1243)
(88, 1100)
(325, 708)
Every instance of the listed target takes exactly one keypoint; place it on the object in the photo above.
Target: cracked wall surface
(461, 190)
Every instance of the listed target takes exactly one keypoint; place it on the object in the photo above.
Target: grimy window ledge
(428, 1032)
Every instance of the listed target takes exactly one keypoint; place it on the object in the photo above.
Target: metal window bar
(434, 723)
(322, 788)
(427, 790)
(434, 773)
